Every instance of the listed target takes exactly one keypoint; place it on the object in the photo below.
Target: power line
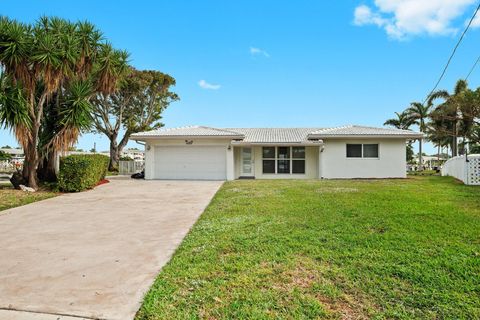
(473, 68)
(453, 53)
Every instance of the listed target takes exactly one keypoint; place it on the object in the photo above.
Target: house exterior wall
(332, 163)
(311, 164)
(150, 152)
(391, 162)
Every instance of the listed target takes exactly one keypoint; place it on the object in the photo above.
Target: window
(268, 159)
(298, 160)
(354, 150)
(362, 150)
(370, 150)
(283, 160)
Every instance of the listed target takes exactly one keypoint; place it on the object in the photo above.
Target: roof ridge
(268, 128)
(219, 129)
(334, 128)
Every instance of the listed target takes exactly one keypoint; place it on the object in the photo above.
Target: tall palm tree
(55, 60)
(450, 111)
(419, 113)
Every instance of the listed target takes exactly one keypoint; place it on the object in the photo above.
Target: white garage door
(190, 162)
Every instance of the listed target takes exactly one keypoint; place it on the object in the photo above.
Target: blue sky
(281, 63)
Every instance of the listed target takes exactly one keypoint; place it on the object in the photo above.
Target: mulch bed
(102, 182)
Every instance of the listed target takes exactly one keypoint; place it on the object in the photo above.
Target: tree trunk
(30, 165)
(114, 155)
(46, 170)
(420, 155)
(31, 159)
(454, 140)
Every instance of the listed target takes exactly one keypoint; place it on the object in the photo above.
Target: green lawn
(328, 249)
(10, 198)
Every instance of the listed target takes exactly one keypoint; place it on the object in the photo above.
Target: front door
(247, 162)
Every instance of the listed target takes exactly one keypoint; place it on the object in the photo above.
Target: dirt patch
(307, 276)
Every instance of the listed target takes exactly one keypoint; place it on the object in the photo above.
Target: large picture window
(283, 160)
(362, 150)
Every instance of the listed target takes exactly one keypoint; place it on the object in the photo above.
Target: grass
(381, 249)
(424, 173)
(10, 198)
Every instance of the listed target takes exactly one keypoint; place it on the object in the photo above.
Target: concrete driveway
(94, 254)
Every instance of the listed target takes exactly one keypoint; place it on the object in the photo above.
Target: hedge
(81, 171)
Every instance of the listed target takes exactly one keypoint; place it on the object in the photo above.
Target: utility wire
(453, 53)
(473, 68)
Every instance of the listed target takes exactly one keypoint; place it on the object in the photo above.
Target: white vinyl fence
(130, 167)
(466, 169)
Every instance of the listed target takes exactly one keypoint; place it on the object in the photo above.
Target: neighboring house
(134, 154)
(430, 162)
(199, 152)
(16, 154)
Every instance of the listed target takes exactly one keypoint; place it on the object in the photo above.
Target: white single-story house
(206, 153)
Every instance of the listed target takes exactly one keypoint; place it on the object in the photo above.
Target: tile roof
(189, 131)
(278, 135)
(273, 135)
(354, 130)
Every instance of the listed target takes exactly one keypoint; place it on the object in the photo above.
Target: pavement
(94, 254)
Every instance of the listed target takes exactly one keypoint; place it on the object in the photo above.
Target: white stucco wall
(390, 164)
(332, 163)
(150, 153)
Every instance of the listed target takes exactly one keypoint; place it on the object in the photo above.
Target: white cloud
(404, 18)
(205, 85)
(257, 51)
(475, 22)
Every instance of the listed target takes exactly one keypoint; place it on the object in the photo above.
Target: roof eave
(363, 136)
(296, 143)
(165, 137)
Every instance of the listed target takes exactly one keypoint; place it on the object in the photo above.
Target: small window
(370, 150)
(283, 152)
(298, 152)
(268, 152)
(298, 166)
(283, 166)
(354, 150)
(268, 166)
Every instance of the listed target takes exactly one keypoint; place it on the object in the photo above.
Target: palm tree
(55, 60)
(438, 138)
(450, 111)
(403, 121)
(419, 113)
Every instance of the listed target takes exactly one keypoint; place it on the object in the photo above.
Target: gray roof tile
(354, 130)
(278, 135)
(189, 131)
(272, 135)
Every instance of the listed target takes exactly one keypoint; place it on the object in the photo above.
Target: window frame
(362, 157)
(290, 160)
(274, 159)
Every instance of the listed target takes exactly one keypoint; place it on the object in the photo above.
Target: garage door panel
(190, 162)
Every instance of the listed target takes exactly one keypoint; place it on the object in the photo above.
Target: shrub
(4, 156)
(81, 171)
